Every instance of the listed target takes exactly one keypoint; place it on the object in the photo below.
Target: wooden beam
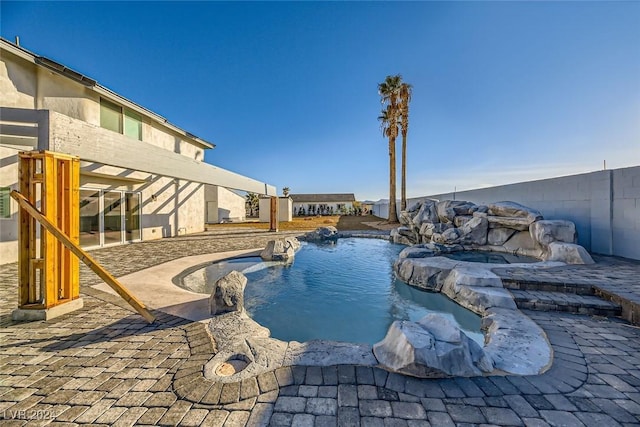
(84, 257)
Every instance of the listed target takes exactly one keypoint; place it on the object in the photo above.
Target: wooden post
(48, 272)
(273, 215)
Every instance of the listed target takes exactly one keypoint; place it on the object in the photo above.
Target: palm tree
(389, 91)
(285, 191)
(405, 99)
(389, 126)
(253, 201)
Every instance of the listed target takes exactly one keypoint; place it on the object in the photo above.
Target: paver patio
(104, 365)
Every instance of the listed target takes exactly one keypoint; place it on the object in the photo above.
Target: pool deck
(104, 365)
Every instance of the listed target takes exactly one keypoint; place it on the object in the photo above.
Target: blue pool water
(344, 291)
(490, 257)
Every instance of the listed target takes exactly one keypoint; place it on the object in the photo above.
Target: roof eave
(69, 73)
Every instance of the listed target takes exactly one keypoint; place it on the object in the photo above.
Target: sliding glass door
(112, 217)
(109, 217)
(89, 218)
(132, 216)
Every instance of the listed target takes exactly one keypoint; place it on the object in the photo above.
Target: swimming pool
(342, 291)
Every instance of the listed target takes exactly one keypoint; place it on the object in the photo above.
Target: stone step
(565, 302)
(535, 285)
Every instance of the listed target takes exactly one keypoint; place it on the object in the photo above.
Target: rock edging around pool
(515, 343)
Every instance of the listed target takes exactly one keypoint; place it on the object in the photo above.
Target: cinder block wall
(625, 212)
(604, 205)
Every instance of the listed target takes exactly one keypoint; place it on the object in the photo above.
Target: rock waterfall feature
(498, 227)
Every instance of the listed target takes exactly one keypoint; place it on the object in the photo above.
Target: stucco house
(317, 204)
(141, 176)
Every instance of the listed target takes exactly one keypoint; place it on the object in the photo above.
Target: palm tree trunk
(393, 215)
(403, 189)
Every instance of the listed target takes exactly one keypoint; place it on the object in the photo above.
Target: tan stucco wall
(58, 93)
(9, 226)
(169, 206)
(284, 209)
(228, 205)
(17, 82)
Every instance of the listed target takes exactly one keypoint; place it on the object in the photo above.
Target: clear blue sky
(503, 91)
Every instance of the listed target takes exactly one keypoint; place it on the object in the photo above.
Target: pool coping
(154, 287)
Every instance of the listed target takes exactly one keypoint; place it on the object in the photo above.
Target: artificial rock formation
(513, 342)
(321, 234)
(500, 227)
(280, 249)
(228, 294)
(430, 348)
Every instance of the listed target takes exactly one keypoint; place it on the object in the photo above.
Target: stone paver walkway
(104, 365)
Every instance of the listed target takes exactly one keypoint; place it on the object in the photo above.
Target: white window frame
(123, 230)
(124, 114)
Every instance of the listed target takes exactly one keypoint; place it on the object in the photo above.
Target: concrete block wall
(625, 212)
(604, 205)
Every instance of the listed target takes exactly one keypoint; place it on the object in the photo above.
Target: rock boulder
(427, 214)
(449, 237)
(513, 209)
(228, 294)
(280, 249)
(568, 252)
(403, 236)
(433, 347)
(428, 229)
(547, 231)
(447, 210)
(516, 343)
(474, 231)
(322, 234)
(498, 236)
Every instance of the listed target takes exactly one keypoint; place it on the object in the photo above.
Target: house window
(113, 117)
(133, 125)
(5, 202)
(110, 116)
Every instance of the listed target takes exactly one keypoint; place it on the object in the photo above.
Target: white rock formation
(280, 249)
(513, 209)
(546, 231)
(516, 343)
(322, 234)
(430, 348)
(569, 253)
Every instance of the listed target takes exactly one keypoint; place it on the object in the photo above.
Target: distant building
(367, 206)
(322, 204)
